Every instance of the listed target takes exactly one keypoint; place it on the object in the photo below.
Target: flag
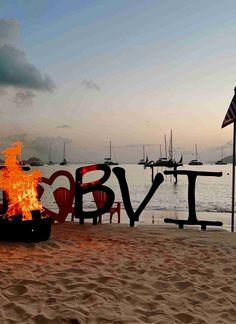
(230, 117)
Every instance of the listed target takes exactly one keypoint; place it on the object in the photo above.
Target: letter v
(134, 216)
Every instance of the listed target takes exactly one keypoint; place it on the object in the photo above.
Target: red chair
(100, 197)
(63, 197)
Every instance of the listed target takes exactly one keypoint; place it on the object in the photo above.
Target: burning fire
(21, 187)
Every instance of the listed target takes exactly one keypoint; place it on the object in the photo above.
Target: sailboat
(163, 161)
(108, 160)
(221, 161)
(35, 162)
(64, 161)
(142, 161)
(170, 162)
(49, 157)
(195, 161)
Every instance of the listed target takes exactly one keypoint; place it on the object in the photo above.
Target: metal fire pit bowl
(35, 230)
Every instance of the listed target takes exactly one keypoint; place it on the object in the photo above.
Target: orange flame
(21, 187)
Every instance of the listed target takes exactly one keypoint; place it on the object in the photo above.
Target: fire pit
(15, 229)
(23, 217)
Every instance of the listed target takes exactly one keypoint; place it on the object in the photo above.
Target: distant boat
(49, 158)
(221, 161)
(36, 163)
(108, 160)
(164, 161)
(195, 161)
(64, 161)
(142, 161)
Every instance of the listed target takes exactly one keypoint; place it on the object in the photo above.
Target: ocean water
(213, 194)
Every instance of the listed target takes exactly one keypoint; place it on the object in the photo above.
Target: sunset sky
(128, 71)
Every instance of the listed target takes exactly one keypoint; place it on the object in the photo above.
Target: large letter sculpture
(134, 216)
(83, 188)
(192, 217)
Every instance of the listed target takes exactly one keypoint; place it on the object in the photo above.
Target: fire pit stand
(35, 230)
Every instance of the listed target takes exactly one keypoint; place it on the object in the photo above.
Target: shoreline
(149, 215)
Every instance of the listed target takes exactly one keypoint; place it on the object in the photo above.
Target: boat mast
(143, 153)
(165, 147)
(110, 150)
(196, 152)
(160, 152)
(171, 146)
(64, 151)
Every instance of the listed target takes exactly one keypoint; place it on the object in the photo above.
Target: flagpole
(233, 179)
(230, 117)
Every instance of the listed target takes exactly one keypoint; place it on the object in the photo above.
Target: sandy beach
(112, 273)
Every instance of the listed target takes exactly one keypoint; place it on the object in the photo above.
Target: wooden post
(233, 179)
(152, 173)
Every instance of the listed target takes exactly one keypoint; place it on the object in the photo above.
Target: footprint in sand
(13, 312)
(16, 290)
(202, 296)
(184, 318)
(183, 285)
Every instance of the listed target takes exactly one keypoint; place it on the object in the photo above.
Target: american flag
(230, 117)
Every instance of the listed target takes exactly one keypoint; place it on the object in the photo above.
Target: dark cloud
(15, 70)
(24, 98)
(63, 126)
(90, 84)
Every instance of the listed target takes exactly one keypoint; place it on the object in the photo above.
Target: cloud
(42, 143)
(63, 126)
(9, 140)
(15, 70)
(90, 84)
(225, 146)
(24, 98)
(37, 146)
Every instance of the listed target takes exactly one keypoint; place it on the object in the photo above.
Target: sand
(112, 273)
